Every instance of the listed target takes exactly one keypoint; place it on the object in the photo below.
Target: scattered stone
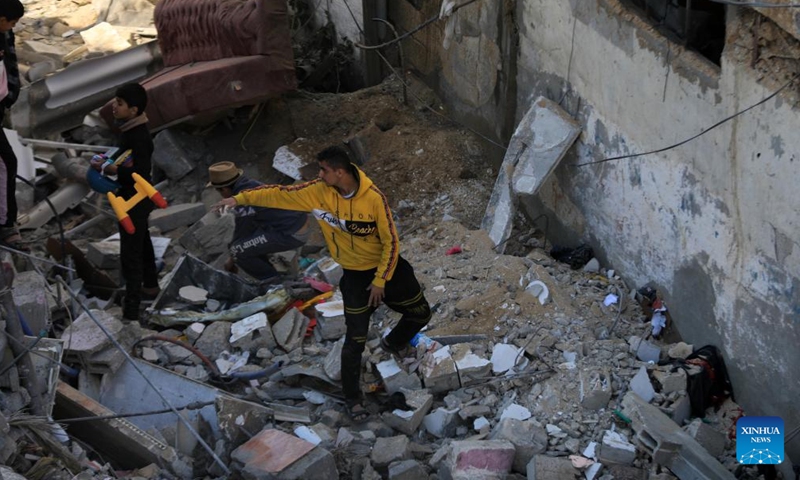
(330, 328)
(395, 378)
(177, 153)
(30, 297)
(209, 237)
(472, 459)
(406, 421)
(441, 423)
(542, 467)
(388, 450)
(516, 412)
(214, 339)
(481, 424)
(527, 438)
(290, 329)
(194, 331)
(331, 270)
(671, 381)
(236, 417)
(149, 355)
(615, 448)
(595, 389)
(474, 411)
(333, 361)
(641, 385)
(439, 371)
(681, 410)
(84, 338)
(175, 216)
(644, 350)
(680, 350)
(407, 470)
(709, 437)
(103, 254)
(193, 295)
(471, 368)
(592, 267)
(344, 438)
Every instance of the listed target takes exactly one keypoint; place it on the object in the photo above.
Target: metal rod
(133, 363)
(34, 257)
(402, 59)
(191, 406)
(51, 144)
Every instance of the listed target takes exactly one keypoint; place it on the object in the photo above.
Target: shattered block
(395, 378)
(178, 153)
(330, 328)
(472, 459)
(615, 448)
(406, 421)
(209, 237)
(388, 450)
(104, 254)
(439, 371)
(681, 410)
(641, 385)
(214, 339)
(504, 357)
(542, 467)
(83, 337)
(442, 423)
(527, 438)
(290, 329)
(671, 381)
(471, 368)
(333, 362)
(30, 297)
(407, 470)
(176, 216)
(595, 389)
(252, 333)
(331, 271)
(235, 417)
(273, 454)
(709, 437)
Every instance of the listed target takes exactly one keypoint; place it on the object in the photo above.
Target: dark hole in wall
(700, 26)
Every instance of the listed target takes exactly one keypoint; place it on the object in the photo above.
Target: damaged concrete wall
(714, 223)
(337, 13)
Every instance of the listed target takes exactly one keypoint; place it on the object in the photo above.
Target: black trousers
(10, 161)
(138, 259)
(402, 294)
(251, 251)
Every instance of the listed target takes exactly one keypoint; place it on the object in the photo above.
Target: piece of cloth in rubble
(574, 257)
(359, 231)
(712, 385)
(659, 320)
(259, 231)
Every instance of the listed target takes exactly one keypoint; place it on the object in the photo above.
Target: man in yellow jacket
(360, 233)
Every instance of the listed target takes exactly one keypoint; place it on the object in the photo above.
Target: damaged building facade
(713, 223)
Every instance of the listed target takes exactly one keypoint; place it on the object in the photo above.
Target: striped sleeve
(301, 197)
(389, 239)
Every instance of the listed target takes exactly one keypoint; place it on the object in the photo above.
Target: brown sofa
(218, 54)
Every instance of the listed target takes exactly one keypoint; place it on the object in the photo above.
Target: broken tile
(641, 385)
(406, 421)
(270, 452)
(504, 357)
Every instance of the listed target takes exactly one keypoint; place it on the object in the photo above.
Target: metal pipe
(130, 360)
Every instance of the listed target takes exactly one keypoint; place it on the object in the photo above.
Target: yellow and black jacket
(359, 231)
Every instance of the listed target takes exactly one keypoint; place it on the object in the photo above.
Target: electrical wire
(712, 127)
(402, 80)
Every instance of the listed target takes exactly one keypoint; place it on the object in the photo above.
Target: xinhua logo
(759, 440)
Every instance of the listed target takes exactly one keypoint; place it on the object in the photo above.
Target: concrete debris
(288, 162)
(176, 216)
(330, 320)
(178, 153)
(515, 412)
(396, 379)
(595, 389)
(407, 421)
(209, 237)
(542, 467)
(406, 470)
(274, 454)
(442, 423)
(471, 368)
(707, 436)
(615, 448)
(83, 338)
(528, 440)
(671, 381)
(478, 459)
(193, 295)
(641, 385)
(290, 329)
(247, 325)
(103, 254)
(333, 361)
(31, 299)
(388, 450)
(644, 350)
(680, 350)
(439, 372)
(593, 266)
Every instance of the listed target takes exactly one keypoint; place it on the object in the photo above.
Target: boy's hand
(225, 202)
(375, 295)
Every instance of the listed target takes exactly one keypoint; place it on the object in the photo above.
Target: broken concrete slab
(470, 459)
(527, 438)
(290, 329)
(516, 412)
(178, 153)
(270, 452)
(254, 336)
(504, 357)
(471, 368)
(83, 337)
(66, 197)
(709, 437)
(408, 421)
(333, 361)
(30, 297)
(439, 371)
(642, 386)
(209, 237)
(176, 216)
(615, 448)
(644, 350)
(595, 392)
(395, 378)
(388, 450)
(442, 423)
(542, 467)
(214, 339)
(668, 444)
(236, 417)
(117, 439)
(407, 470)
(671, 381)
(539, 143)
(330, 328)
(288, 162)
(193, 295)
(103, 254)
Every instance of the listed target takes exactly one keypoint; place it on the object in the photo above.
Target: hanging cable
(712, 127)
